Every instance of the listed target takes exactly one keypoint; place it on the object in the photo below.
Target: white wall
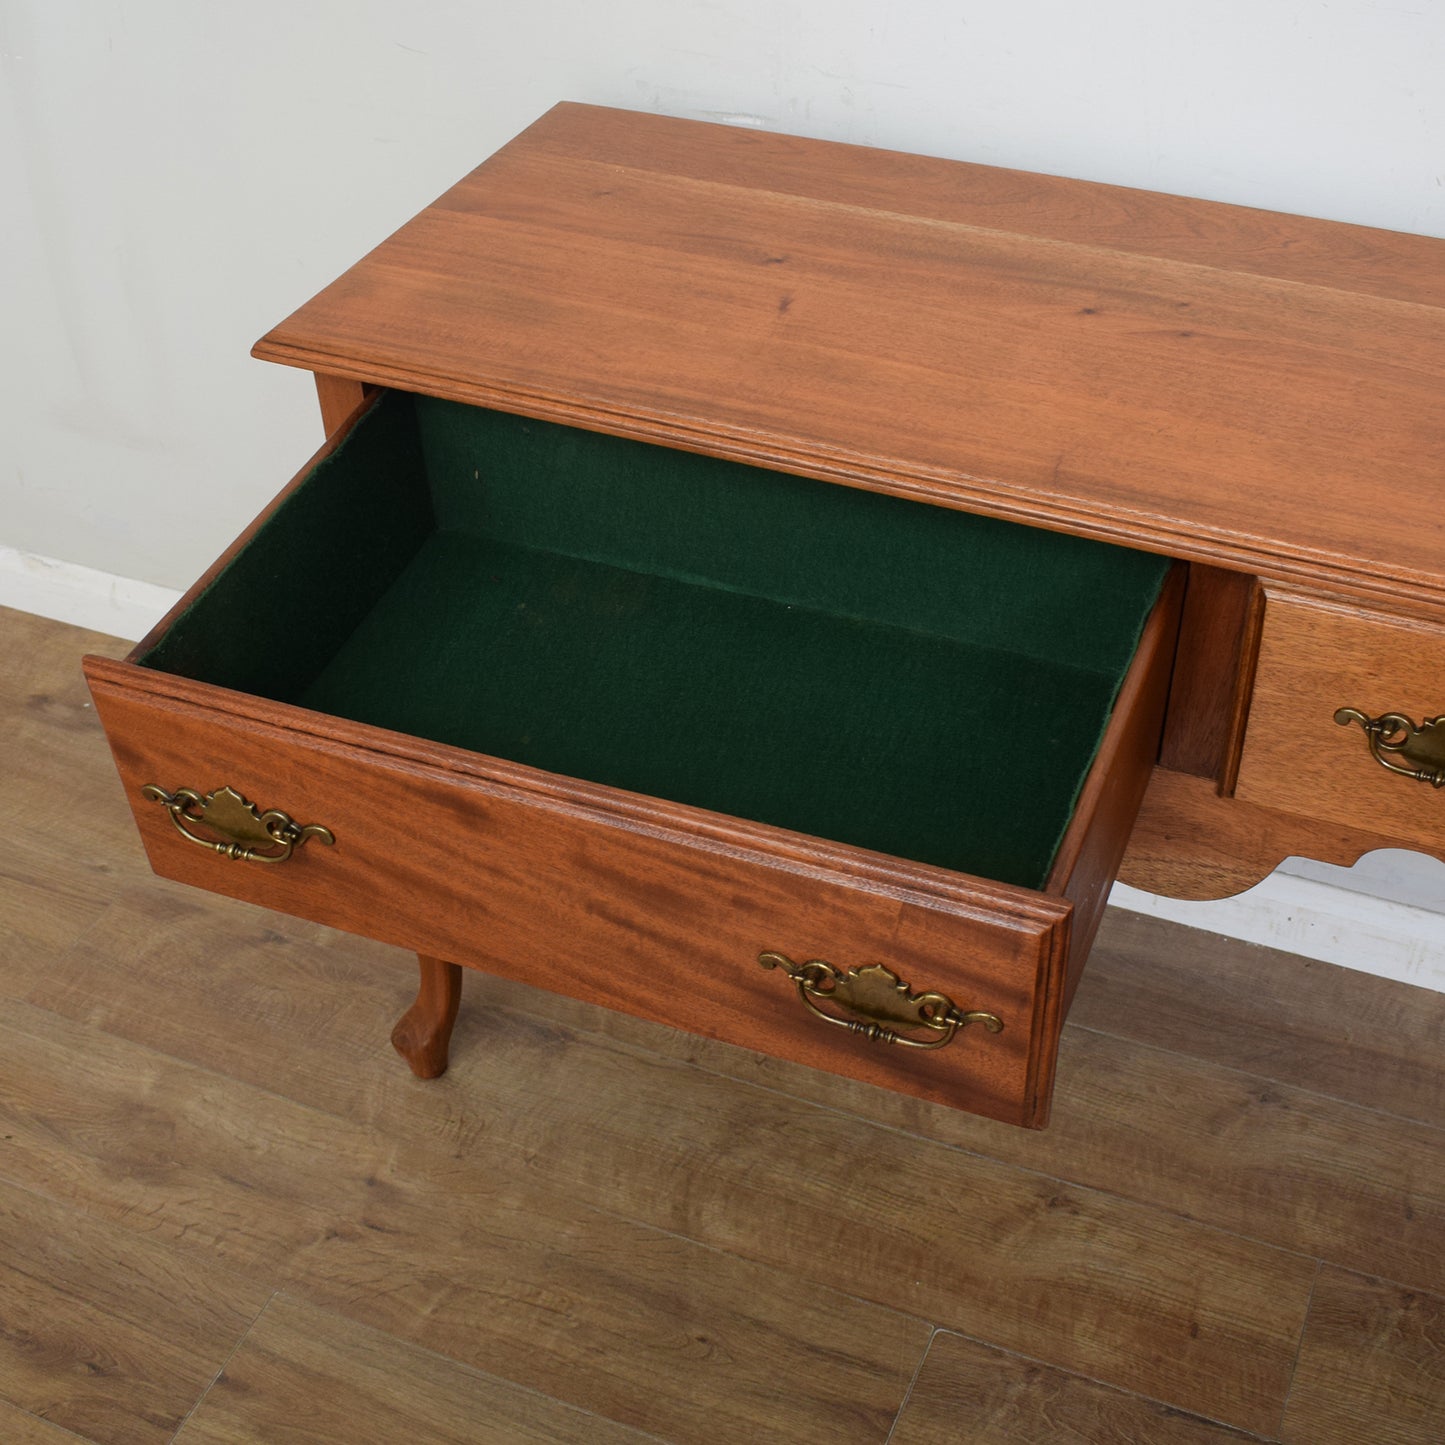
(176, 175)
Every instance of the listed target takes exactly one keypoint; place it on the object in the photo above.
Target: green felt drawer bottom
(848, 665)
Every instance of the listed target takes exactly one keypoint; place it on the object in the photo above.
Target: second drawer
(1319, 656)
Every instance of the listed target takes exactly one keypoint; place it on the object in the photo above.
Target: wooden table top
(1262, 392)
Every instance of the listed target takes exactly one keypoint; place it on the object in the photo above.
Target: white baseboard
(81, 596)
(1299, 915)
(1316, 920)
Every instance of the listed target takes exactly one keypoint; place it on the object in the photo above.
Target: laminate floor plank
(1372, 1367)
(642, 1329)
(236, 988)
(667, 1232)
(1307, 1173)
(43, 908)
(128, 1135)
(1336, 1031)
(20, 1427)
(468, 1253)
(969, 1393)
(304, 1376)
(1094, 1283)
(1247, 1153)
(60, 836)
(106, 1331)
(1136, 1296)
(39, 667)
(1301, 1171)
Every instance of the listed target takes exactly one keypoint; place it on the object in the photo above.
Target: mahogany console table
(775, 587)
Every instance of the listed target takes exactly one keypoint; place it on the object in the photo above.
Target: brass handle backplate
(247, 835)
(886, 1004)
(1392, 736)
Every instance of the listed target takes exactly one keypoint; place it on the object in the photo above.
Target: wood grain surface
(1372, 1366)
(972, 1394)
(1315, 657)
(1093, 847)
(60, 881)
(1213, 673)
(303, 1375)
(676, 1236)
(1370, 1046)
(666, 921)
(1325, 1142)
(1232, 387)
(423, 1033)
(20, 1427)
(1249, 1155)
(339, 399)
(656, 919)
(466, 1256)
(1120, 1292)
(107, 1330)
(1354, 1038)
(1190, 842)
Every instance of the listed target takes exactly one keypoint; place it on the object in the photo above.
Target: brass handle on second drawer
(882, 998)
(250, 836)
(1392, 735)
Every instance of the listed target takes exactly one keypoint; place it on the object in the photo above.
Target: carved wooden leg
(423, 1032)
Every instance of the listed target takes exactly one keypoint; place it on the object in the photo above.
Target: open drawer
(660, 730)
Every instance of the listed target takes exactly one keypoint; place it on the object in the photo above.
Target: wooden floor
(228, 1213)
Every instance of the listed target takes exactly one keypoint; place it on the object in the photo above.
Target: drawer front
(650, 908)
(1316, 658)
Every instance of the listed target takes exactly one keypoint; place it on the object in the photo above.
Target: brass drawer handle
(1394, 734)
(882, 998)
(249, 835)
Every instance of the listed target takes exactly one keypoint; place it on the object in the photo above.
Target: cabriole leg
(423, 1032)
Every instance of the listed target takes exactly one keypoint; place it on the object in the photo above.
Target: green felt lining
(902, 677)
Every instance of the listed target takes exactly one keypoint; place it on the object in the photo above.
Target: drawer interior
(901, 677)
